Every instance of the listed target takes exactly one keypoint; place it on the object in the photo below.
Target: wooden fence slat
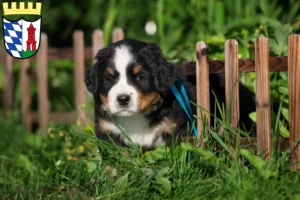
(25, 94)
(8, 84)
(245, 65)
(263, 104)
(42, 81)
(60, 117)
(78, 41)
(97, 42)
(117, 35)
(203, 95)
(232, 82)
(294, 98)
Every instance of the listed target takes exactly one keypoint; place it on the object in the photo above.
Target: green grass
(66, 164)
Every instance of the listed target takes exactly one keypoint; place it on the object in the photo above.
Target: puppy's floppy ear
(90, 79)
(91, 74)
(163, 71)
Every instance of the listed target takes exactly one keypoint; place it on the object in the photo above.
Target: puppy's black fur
(217, 94)
(164, 117)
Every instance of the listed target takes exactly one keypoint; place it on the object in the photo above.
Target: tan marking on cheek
(145, 101)
(136, 70)
(111, 71)
(104, 100)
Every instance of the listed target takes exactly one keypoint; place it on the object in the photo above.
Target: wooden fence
(262, 65)
(79, 53)
(202, 67)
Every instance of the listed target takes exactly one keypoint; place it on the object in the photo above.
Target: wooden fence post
(202, 84)
(294, 98)
(8, 84)
(42, 81)
(117, 35)
(78, 41)
(232, 82)
(25, 95)
(97, 42)
(263, 104)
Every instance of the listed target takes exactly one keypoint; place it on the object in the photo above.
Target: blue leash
(184, 102)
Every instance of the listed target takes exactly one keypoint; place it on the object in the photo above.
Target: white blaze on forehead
(122, 59)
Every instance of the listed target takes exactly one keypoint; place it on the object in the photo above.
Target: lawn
(66, 164)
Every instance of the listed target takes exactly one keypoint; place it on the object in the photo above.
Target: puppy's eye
(109, 79)
(140, 77)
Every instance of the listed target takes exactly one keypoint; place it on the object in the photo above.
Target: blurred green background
(176, 27)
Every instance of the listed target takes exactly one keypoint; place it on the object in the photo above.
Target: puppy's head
(130, 77)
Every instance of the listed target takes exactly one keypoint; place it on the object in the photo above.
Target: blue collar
(184, 102)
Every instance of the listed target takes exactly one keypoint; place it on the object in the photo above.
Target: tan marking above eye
(136, 70)
(111, 71)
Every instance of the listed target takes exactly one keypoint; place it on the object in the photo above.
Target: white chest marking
(137, 128)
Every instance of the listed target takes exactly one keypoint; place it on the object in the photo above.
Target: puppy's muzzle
(123, 99)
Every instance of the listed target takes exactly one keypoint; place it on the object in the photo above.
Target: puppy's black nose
(123, 99)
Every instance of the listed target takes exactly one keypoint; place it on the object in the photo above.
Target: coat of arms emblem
(21, 37)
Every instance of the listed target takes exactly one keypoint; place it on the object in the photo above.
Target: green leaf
(206, 155)
(285, 113)
(92, 167)
(158, 154)
(283, 89)
(122, 182)
(217, 137)
(163, 184)
(23, 161)
(260, 164)
(278, 44)
(253, 116)
(34, 141)
(283, 131)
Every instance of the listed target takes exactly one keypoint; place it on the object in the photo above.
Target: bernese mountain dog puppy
(131, 84)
